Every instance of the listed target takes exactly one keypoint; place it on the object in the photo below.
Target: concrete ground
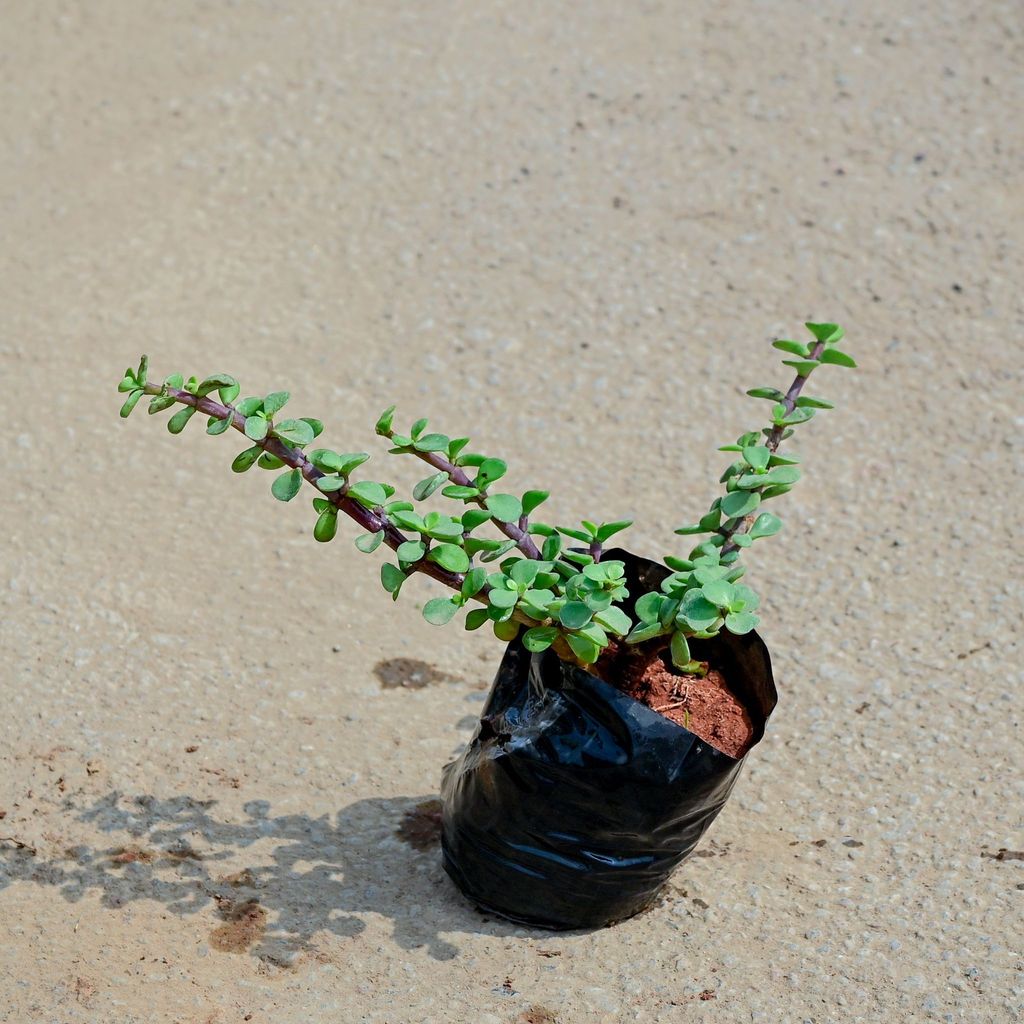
(571, 230)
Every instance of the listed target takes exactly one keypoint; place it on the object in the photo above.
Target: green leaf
(740, 622)
(315, 425)
(246, 460)
(460, 493)
(594, 632)
(287, 485)
(796, 348)
(408, 520)
(500, 597)
(440, 610)
(598, 600)
(773, 394)
(368, 493)
(506, 631)
(256, 428)
(796, 416)
(275, 402)
(690, 529)
(476, 618)
(417, 428)
(680, 650)
(586, 538)
(608, 530)
(391, 578)
(128, 384)
(143, 371)
(383, 426)
(294, 432)
(455, 446)
(268, 461)
(432, 443)
(524, 571)
(679, 564)
(740, 503)
(332, 462)
(697, 611)
(474, 581)
(533, 500)
(585, 649)
(539, 638)
(615, 620)
(648, 606)
(574, 615)
(757, 456)
(750, 481)
(784, 460)
(215, 382)
(411, 551)
(809, 402)
(550, 549)
(369, 542)
(719, 592)
(474, 517)
(249, 406)
(505, 507)
(130, 403)
(329, 484)
(176, 424)
(828, 333)
(426, 487)
(579, 557)
(644, 631)
(765, 525)
(450, 557)
(497, 553)
(217, 426)
(803, 367)
(326, 526)
(489, 471)
(837, 358)
(782, 475)
(447, 529)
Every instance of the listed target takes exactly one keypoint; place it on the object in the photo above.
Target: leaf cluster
(524, 579)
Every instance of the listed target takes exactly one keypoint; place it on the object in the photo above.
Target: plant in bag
(629, 692)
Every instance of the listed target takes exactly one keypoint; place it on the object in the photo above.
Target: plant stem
(369, 520)
(457, 476)
(772, 444)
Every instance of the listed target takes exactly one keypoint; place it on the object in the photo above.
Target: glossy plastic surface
(573, 802)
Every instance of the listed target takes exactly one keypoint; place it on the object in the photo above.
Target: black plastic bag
(573, 803)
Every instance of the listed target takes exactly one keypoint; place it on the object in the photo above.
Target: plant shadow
(308, 875)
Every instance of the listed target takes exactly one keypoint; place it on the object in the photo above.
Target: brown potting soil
(703, 704)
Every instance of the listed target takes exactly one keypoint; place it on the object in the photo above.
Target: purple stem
(369, 520)
(772, 444)
(517, 533)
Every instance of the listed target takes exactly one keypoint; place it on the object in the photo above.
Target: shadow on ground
(322, 872)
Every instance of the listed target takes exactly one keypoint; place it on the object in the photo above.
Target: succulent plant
(546, 582)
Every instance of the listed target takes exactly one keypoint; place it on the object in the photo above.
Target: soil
(705, 705)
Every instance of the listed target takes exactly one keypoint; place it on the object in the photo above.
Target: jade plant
(504, 567)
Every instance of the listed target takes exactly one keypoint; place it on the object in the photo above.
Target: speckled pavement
(570, 230)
